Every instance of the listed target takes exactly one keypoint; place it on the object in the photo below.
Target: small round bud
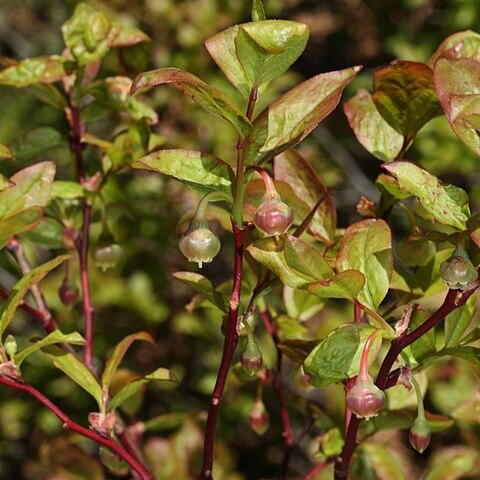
(69, 238)
(273, 217)
(259, 419)
(415, 252)
(106, 253)
(365, 399)
(199, 244)
(420, 435)
(458, 271)
(251, 359)
(68, 293)
(10, 345)
(113, 462)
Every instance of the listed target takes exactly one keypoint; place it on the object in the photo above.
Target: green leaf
(337, 357)
(405, 96)
(67, 190)
(288, 120)
(347, 285)
(252, 54)
(5, 151)
(121, 36)
(258, 12)
(469, 409)
(19, 223)
(210, 99)
(201, 171)
(457, 322)
(86, 34)
(202, 285)
(23, 286)
(457, 86)
(425, 345)
(167, 421)
(31, 71)
(32, 189)
(446, 203)
(293, 169)
(367, 247)
(464, 44)
(75, 370)
(470, 354)
(161, 374)
(370, 128)
(119, 352)
(301, 304)
(390, 189)
(454, 462)
(48, 233)
(295, 262)
(36, 142)
(384, 462)
(52, 338)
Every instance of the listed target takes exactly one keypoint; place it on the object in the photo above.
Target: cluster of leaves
(366, 267)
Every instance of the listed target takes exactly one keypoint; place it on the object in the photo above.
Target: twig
(453, 300)
(45, 317)
(317, 469)
(83, 243)
(278, 387)
(229, 346)
(69, 424)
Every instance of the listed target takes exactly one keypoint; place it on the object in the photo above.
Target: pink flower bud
(273, 217)
(258, 419)
(420, 435)
(68, 293)
(365, 399)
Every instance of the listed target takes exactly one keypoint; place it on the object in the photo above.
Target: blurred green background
(145, 210)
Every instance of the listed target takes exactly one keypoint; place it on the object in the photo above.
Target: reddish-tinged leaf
(46, 69)
(458, 88)
(448, 204)
(119, 352)
(210, 99)
(405, 96)
(370, 128)
(293, 169)
(464, 44)
(345, 285)
(367, 247)
(288, 120)
(123, 36)
(253, 53)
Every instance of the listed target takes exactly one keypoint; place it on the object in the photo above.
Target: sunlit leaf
(75, 370)
(52, 338)
(448, 204)
(294, 261)
(210, 99)
(288, 120)
(337, 357)
(125, 36)
(457, 322)
(347, 285)
(457, 86)
(254, 53)
(454, 462)
(370, 128)
(28, 72)
(86, 34)
(464, 44)
(367, 247)
(201, 170)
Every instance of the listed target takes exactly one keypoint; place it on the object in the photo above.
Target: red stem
(277, 385)
(453, 300)
(229, 346)
(69, 424)
(366, 349)
(357, 313)
(317, 469)
(83, 246)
